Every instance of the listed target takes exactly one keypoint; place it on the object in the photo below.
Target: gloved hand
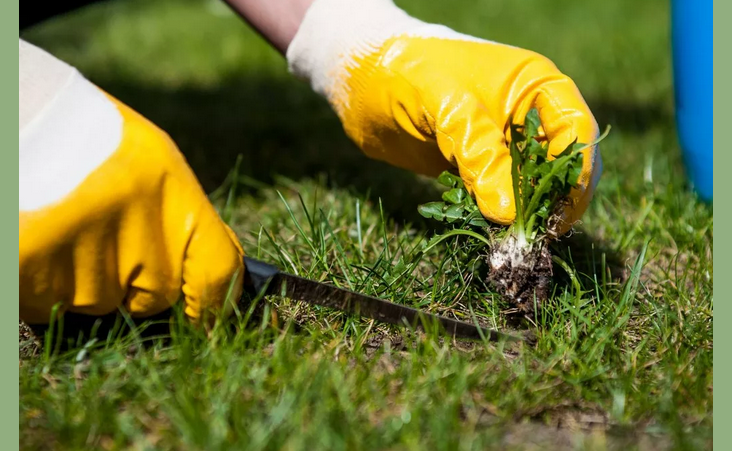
(426, 98)
(110, 214)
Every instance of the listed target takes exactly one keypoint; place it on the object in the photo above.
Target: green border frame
(10, 12)
(722, 115)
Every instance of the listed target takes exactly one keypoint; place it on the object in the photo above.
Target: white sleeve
(67, 128)
(334, 32)
(40, 78)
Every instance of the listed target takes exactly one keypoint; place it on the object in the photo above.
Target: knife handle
(257, 275)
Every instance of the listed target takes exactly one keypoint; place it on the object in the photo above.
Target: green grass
(629, 354)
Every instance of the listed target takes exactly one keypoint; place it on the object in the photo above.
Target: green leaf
(454, 196)
(575, 170)
(537, 150)
(450, 180)
(516, 162)
(469, 203)
(518, 140)
(532, 124)
(432, 210)
(539, 184)
(453, 213)
(530, 169)
(544, 210)
(478, 222)
(569, 149)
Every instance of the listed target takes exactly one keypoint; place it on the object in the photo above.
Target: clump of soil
(521, 274)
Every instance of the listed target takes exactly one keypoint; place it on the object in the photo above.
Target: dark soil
(522, 278)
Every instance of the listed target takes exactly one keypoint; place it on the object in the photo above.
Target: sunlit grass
(626, 350)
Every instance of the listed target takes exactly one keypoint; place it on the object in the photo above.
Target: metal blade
(267, 277)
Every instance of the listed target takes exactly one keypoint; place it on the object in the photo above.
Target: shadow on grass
(74, 330)
(632, 118)
(281, 129)
(590, 257)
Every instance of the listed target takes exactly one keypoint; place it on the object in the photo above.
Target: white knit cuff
(335, 32)
(68, 128)
(41, 76)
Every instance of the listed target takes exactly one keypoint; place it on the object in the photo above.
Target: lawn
(624, 362)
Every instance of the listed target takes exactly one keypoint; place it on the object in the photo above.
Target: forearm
(276, 20)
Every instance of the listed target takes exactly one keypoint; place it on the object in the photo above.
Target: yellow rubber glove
(426, 98)
(110, 214)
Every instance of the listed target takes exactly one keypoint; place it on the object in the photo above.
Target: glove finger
(213, 268)
(565, 117)
(472, 141)
(141, 303)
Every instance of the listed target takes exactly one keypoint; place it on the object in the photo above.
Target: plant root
(521, 274)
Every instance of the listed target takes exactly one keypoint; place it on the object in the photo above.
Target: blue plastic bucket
(692, 32)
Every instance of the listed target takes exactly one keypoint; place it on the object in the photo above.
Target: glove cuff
(337, 36)
(41, 77)
(68, 127)
(334, 33)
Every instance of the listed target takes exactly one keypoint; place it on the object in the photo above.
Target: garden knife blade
(264, 279)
